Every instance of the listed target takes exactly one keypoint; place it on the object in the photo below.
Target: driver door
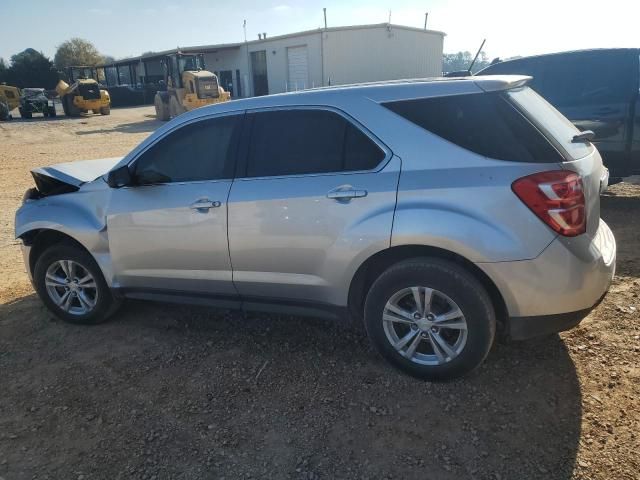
(168, 232)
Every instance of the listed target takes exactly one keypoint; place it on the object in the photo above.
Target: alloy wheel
(71, 287)
(424, 325)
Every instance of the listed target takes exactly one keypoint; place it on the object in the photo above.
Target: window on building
(299, 142)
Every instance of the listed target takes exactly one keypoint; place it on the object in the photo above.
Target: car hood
(67, 177)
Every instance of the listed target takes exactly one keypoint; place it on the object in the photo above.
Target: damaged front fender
(79, 215)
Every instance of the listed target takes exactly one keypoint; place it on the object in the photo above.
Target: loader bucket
(62, 87)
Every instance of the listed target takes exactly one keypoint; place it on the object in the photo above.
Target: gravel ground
(173, 392)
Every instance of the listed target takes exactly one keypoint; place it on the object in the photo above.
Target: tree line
(31, 68)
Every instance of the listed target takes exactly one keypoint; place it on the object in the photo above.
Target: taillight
(557, 198)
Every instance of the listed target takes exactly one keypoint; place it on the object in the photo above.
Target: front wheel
(105, 110)
(70, 284)
(430, 318)
(175, 107)
(4, 111)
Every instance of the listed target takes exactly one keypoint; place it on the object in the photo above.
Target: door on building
(225, 77)
(298, 66)
(259, 73)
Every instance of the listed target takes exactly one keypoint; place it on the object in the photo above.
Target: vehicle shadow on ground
(133, 127)
(300, 395)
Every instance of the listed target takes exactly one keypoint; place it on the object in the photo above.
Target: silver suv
(439, 212)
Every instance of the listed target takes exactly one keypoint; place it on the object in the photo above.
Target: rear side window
(484, 123)
(203, 150)
(299, 142)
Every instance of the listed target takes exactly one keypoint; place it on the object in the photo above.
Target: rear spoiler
(496, 83)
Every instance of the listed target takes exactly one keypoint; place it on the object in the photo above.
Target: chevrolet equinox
(441, 213)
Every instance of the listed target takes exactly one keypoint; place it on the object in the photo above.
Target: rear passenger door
(315, 196)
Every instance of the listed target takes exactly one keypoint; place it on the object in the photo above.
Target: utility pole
(426, 15)
(247, 92)
(325, 17)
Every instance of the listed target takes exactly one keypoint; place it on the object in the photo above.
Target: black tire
(70, 110)
(52, 111)
(105, 110)
(458, 285)
(4, 111)
(65, 106)
(25, 114)
(105, 303)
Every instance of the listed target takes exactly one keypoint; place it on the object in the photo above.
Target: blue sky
(129, 27)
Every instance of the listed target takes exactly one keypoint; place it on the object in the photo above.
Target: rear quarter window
(484, 123)
(549, 120)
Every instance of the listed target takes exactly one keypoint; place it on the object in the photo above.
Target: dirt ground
(166, 392)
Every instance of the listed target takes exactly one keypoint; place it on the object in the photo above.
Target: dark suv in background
(597, 90)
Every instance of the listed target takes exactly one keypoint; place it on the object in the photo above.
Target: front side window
(484, 123)
(299, 142)
(203, 150)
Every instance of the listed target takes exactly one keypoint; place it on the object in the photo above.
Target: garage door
(298, 68)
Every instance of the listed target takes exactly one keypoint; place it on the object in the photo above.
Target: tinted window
(297, 142)
(587, 79)
(203, 150)
(555, 125)
(484, 123)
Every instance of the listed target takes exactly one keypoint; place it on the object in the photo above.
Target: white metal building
(331, 56)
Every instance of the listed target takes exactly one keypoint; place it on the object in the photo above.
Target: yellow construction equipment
(9, 99)
(82, 96)
(187, 85)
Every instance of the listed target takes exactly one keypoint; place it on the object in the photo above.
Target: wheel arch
(42, 238)
(377, 263)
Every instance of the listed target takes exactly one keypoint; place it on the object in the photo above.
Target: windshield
(32, 92)
(556, 127)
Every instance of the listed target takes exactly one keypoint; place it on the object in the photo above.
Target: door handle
(204, 205)
(346, 194)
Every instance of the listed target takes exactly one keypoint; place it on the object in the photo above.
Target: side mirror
(120, 177)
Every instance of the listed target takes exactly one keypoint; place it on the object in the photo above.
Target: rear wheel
(52, 111)
(105, 110)
(430, 318)
(70, 284)
(25, 114)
